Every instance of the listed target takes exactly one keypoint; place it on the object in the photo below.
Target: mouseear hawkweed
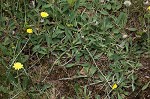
(74, 49)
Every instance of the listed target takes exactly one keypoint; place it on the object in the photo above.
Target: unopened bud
(125, 36)
(127, 3)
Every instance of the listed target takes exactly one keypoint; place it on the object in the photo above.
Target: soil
(66, 87)
(65, 80)
(143, 78)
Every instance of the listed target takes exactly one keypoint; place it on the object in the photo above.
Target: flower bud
(127, 3)
(124, 36)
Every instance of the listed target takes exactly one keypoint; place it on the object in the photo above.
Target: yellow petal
(17, 66)
(44, 14)
(114, 86)
(148, 8)
(30, 31)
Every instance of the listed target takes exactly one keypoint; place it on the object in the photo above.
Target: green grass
(81, 44)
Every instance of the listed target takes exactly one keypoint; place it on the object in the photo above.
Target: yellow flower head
(18, 66)
(30, 31)
(114, 86)
(148, 8)
(44, 14)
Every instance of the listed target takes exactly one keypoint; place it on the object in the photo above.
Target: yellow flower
(148, 8)
(30, 31)
(44, 14)
(18, 66)
(114, 86)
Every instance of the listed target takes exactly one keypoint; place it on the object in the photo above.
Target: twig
(97, 67)
(16, 95)
(19, 53)
(54, 64)
(72, 78)
(94, 83)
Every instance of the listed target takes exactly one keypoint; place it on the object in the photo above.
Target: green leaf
(10, 78)
(69, 65)
(104, 12)
(25, 82)
(4, 89)
(108, 6)
(4, 50)
(92, 70)
(133, 87)
(106, 24)
(24, 58)
(46, 86)
(48, 40)
(7, 41)
(97, 56)
(77, 4)
(68, 34)
(132, 29)
(46, 6)
(56, 33)
(116, 31)
(71, 2)
(115, 57)
(42, 50)
(119, 97)
(133, 81)
(85, 65)
(36, 48)
(146, 86)
(97, 97)
(72, 16)
(122, 19)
